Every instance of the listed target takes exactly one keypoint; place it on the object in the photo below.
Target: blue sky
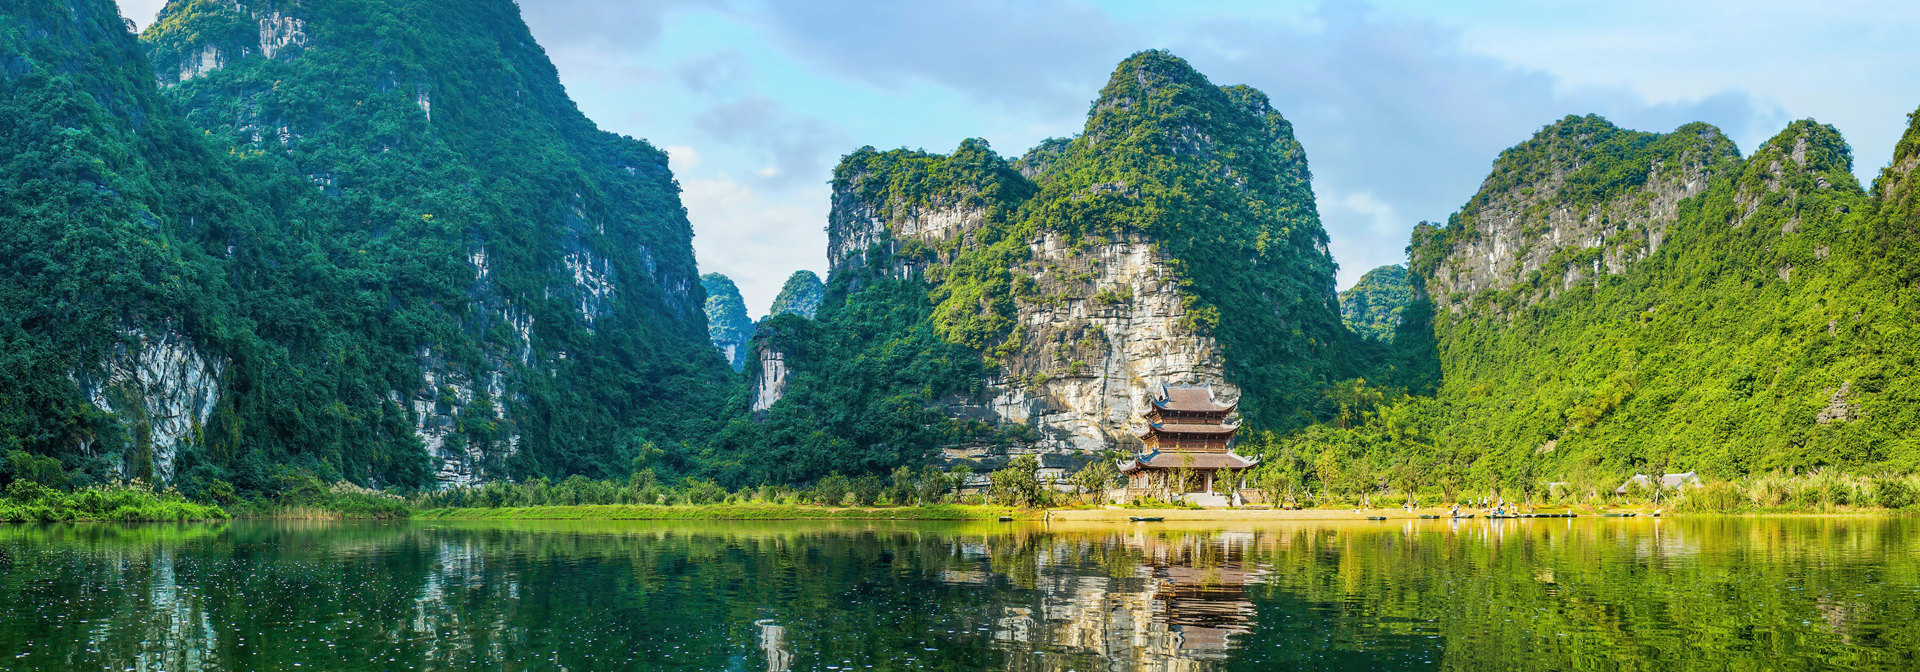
(1402, 104)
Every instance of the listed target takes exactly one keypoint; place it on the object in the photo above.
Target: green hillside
(363, 241)
(1766, 323)
(935, 270)
(728, 325)
(1375, 306)
(801, 295)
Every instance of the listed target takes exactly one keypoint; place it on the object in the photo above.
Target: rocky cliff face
(1080, 293)
(161, 387)
(1557, 211)
(1112, 328)
(511, 261)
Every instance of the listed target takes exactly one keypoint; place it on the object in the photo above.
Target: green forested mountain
(728, 325)
(1662, 304)
(801, 295)
(1375, 306)
(370, 241)
(976, 301)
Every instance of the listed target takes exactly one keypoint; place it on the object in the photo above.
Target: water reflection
(1549, 595)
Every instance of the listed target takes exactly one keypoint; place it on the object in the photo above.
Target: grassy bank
(748, 511)
(30, 502)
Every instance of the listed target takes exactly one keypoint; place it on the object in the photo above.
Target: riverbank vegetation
(27, 501)
(738, 511)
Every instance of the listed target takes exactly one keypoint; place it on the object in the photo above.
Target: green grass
(28, 502)
(728, 512)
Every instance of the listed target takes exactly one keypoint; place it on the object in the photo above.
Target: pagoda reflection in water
(1159, 604)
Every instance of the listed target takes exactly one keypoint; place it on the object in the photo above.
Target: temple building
(1188, 434)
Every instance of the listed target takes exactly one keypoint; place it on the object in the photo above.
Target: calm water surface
(1586, 594)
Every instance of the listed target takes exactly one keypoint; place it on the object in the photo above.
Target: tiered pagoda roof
(1190, 399)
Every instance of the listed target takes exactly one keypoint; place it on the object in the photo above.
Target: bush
(866, 490)
(702, 491)
(935, 487)
(831, 491)
(1893, 493)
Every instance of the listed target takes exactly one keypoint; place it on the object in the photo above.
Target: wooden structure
(1188, 435)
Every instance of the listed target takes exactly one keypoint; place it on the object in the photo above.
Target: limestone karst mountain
(372, 242)
(801, 295)
(728, 325)
(1375, 306)
(1031, 305)
(1615, 300)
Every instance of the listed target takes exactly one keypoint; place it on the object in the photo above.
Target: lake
(1586, 594)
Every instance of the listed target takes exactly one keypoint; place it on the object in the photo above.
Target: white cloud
(1367, 221)
(756, 237)
(142, 12)
(682, 159)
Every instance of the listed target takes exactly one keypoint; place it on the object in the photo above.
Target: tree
(1018, 484)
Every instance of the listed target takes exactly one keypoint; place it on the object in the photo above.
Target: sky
(1402, 105)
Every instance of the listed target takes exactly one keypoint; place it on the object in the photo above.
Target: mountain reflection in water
(1785, 593)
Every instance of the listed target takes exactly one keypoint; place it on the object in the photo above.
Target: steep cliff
(1174, 241)
(1614, 301)
(801, 295)
(1375, 306)
(522, 282)
(370, 241)
(111, 329)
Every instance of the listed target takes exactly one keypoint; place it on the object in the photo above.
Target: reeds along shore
(902, 499)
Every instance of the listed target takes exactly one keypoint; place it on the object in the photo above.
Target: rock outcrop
(1083, 290)
(432, 133)
(1556, 212)
(1113, 328)
(162, 388)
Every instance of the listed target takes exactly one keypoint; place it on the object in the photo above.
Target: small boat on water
(1464, 515)
(1618, 515)
(1376, 517)
(1429, 516)
(1006, 519)
(1146, 519)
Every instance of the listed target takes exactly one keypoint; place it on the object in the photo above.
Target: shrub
(831, 491)
(1893, 493)
(866, 490)
(702, 491)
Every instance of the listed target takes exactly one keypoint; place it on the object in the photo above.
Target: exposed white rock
(1089, 364)
(444, 399)
(279, 32)
(1518, 233)
(771, 384)
(161, 387)
(591, 274)
(205, 61)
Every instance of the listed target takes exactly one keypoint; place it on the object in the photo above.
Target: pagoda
(1188, 432)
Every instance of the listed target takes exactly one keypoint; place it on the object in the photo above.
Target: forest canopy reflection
(1531, 594)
